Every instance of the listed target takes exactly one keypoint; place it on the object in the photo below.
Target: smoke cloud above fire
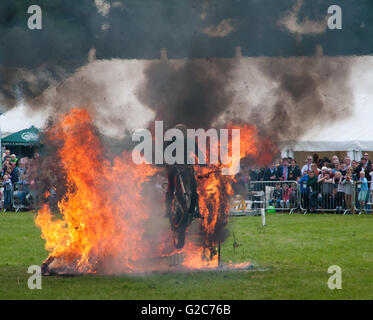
(282, 97)
(297, 93)
(195, 93)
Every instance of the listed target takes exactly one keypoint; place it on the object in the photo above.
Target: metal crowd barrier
(290, 196)
(3, 197)
(279, 196)
(326, 197)
(17, 201)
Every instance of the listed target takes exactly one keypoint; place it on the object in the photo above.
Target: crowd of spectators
(317, 185)
(15, 179)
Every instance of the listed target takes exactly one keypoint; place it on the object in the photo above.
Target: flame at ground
(214, 191)
(102, 220)
(100, 228)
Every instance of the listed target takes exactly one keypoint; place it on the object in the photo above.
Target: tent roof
(354, 132)
(326, 146)
(24, 137)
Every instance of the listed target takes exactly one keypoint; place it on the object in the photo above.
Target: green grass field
(291, 257)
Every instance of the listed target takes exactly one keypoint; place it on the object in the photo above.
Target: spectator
(316, 159)
(279, 164)
(340, 190)
(348, 162)
(286, 193)
(307, 166)
(271, 173)
(326, 190)
(356, 171)
(323, 162)
(371, 184)
(5, 167)
(283, 171)
(366, 157)
(14, 176)
(294, 195)
(276, 196)
(363, 182)
(256, 174)
(324, 170)
(343, 169)
(312, 191)
(8, 170)
(304, 189)
(348, 187)
(13, 158)
(294, 171)
(8, 190)
(364, 166)
(315, 170)
(330, 167)
(6, 155)
(335, 167)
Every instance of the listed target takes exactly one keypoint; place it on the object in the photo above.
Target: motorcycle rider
(171, 177)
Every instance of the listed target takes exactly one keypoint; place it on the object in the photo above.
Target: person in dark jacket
(294, 171)
(283, 171)
(8, 189)
(356, 170)
(366, 157)
(15, 172)
(271, 173)
(256, 174)
(312, 190)
(364, 166)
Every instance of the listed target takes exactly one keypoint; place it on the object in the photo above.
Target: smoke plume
(306, 92)
(282, 97)
(195, 92)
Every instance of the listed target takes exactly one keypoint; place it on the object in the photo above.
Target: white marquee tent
(353, 135)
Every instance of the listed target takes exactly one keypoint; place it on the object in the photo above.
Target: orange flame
(101, 226)
(214, 195)
(102, 213)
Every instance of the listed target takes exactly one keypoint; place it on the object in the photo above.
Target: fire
(102, 213)
(214, 196)
(197, 257)
(101, 224)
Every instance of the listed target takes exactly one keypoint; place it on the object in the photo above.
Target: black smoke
(307, 92)
(33, 60)
(195, 92)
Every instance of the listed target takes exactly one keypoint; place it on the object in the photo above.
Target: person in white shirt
(308, 165)
(348, 162)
